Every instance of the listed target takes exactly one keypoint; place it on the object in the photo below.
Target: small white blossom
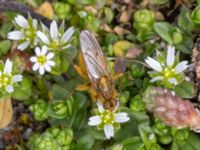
(43, 60)
(7, 78)
(108, 120)
(55, 38)
(167, 70)
(25, 33)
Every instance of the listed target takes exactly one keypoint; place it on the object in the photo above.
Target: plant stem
(12, 5)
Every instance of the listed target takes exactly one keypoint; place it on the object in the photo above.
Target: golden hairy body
(105, 91)
(101, 86)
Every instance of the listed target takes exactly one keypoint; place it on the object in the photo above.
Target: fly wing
(93, 56)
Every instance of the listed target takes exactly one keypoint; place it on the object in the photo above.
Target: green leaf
(192, 143)
(131, 127)
(85, 143)
(186, 45)
(59, 92)
(184, 20)
(4, 47)
(165, 30)
(23, 90)
(5, 28)
(185, 90)
(133, 143)
(80, 99)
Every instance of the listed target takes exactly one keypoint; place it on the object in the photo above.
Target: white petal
(33, 59)
(43, 37)
(23, 46)
(41, 70)
(170, 56)
(15, 35)
(153, 64)
(121, 117)
(8, 67)
(9, 88)
(94, 121)
(51, 63)
(100, 107)
(44, 50)
(109, 131)
(37, 51)
(173, 81)
(67, 35)
(50, 56)
(181, 67)
(21, 21)
(156, 79)
(17, 78)
(116, 107)
(54, 30)
(36, 66)
(47, 68)
(35, 22)
(67, 46)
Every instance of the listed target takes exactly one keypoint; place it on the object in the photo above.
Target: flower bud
(171, 109)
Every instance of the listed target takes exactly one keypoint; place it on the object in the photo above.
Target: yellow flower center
(168, 72)
(5, 79)
(107, 117)
(41, 59)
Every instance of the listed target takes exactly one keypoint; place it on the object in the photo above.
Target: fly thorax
(105, 87)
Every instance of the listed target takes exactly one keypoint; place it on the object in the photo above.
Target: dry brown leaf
(106, 28)
(133, 52)
(121, 31)
(159, 16)
(6, 112)
(91, 9)
(126, 16)
(46, 10)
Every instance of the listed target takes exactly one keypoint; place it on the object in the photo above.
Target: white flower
(108, 120)
(7, 79)
(167, 69)
(43, 60)
(55, 39)
(26, 33)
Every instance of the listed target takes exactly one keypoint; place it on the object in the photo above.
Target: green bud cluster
(62, 10)
(137, 104)
(143, 22)
(39, 110)
(52, 139)
(162, 131)
(124, 97)
(137, 71)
